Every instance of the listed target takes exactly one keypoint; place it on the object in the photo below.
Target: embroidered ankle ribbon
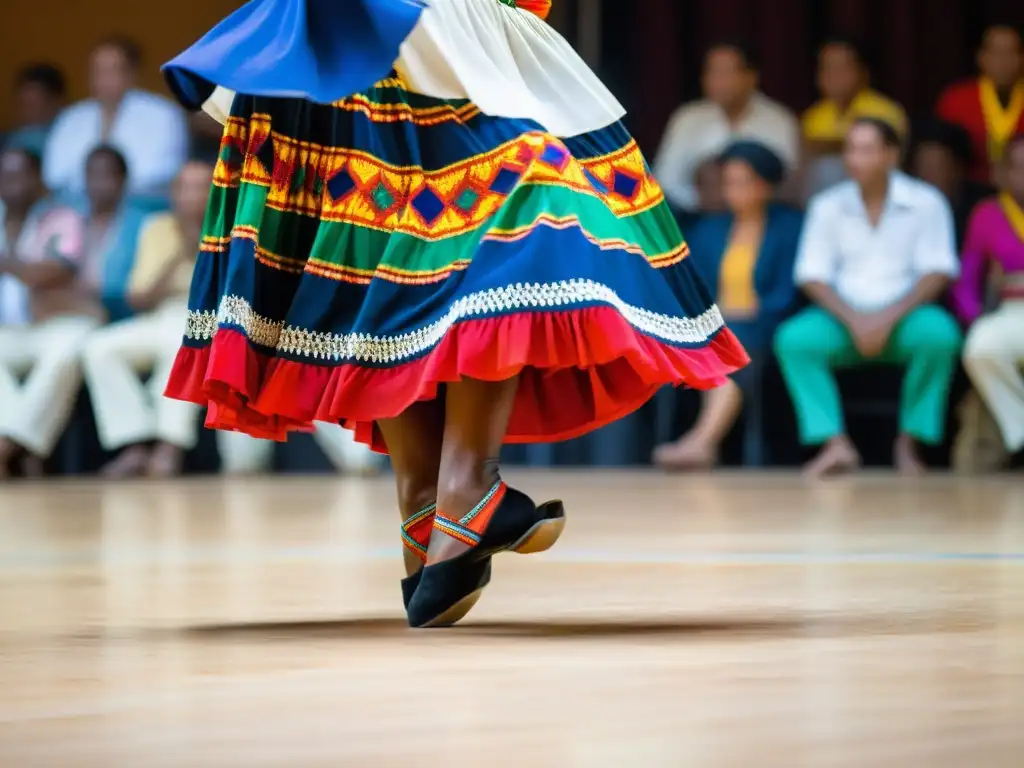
(469, 528)
(416, 531)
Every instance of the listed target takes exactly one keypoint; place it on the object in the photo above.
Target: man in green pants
(876, 253)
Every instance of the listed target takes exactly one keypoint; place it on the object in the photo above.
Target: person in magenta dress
(994, 255)
(429, 224)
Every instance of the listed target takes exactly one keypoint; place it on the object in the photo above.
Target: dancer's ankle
(464, 483)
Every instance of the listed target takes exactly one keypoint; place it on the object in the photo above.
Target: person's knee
(99, 348)
(939, 336)
(985, 341)
(797, 337)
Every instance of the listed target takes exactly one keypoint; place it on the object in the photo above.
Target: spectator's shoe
(505, 520)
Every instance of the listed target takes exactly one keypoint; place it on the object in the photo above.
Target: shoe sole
(456, 613)
(540, 538)
(543, 535)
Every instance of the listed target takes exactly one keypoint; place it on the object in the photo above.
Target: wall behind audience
(64, 31)
(921, 46)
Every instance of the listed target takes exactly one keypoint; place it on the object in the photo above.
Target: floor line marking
(227, 555)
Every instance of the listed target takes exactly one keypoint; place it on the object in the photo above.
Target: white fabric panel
(509, 63)
(218, 106)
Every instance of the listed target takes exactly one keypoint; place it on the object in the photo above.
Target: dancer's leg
(477, 514)
(476, 418)
(414, 443)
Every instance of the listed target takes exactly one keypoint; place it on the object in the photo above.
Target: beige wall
(63, 31)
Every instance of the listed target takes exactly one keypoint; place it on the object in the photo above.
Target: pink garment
(51, 231)
(990, 240)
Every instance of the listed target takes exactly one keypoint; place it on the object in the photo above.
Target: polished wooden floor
(726, 620)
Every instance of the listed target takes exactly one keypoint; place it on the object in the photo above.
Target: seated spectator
(39, 95)
(748, 253)
(940, 156)
(112, 229)
(46, 313)
(732, 108)
(990, 108)
(876, 253)
(994, 350)
(151, 432)
(844, 81)
(150, 131)
(708, 185)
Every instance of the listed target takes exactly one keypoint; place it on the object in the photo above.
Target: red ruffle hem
(579, 370)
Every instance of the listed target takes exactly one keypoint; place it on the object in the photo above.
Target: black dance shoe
(446, 591)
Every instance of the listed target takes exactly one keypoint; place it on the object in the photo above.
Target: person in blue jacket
(746, 255)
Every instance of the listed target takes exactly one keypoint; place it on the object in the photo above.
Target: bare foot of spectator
(8, 451)
(131, 463)
(685, 454)
(167, 461)
(906, 457)
(838, 457)
(32, 467)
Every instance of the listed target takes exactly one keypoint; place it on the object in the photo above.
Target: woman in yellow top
(748, 253)
(844, 84)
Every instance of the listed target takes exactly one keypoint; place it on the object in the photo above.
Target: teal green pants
(811, 345)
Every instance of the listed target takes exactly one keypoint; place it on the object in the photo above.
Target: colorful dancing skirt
(358, 255)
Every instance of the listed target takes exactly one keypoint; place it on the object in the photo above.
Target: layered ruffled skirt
(360, 254)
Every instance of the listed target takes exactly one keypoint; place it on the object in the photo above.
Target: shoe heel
(545, 533)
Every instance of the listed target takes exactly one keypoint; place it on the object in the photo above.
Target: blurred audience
(708, 185)
(844, 82)
(876, 253)
(113, 224)
(151, 132)
(994, 349)
(151, 432)
(940, 155)
(243, 455)
(732, 108)
(39, 91)
(990, 107)
(48, 312)
(748, 253)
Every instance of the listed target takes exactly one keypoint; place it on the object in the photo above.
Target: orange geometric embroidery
(353, 187)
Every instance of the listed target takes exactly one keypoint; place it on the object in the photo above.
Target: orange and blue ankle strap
(416, 531)
(470, 527)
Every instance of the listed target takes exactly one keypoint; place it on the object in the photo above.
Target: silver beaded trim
(361, 347)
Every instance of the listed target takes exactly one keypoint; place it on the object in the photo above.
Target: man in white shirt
(149, 130)
(877, 251)
(732, 108)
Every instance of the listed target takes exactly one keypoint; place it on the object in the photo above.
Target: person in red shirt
(991, 107)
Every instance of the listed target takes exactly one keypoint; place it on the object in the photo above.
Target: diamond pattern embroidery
(555, 156)
(506, 180)
(428, 205)
(625, 184)
(265, 154)
(340, 184)
(467, 200)
(382, 197)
